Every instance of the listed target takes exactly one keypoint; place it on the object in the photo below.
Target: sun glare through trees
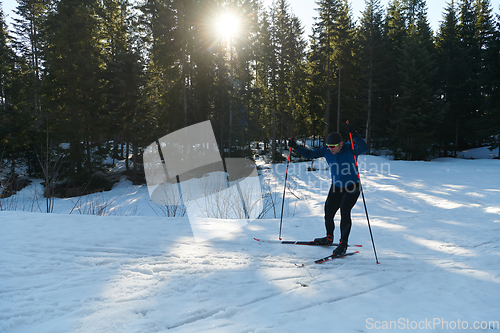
(227, 25)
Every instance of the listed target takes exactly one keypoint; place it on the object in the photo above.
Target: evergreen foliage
(94, 79)
(372, 66)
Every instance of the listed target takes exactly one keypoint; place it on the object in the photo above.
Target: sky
(305, 10)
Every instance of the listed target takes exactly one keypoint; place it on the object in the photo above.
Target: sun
(227, 25)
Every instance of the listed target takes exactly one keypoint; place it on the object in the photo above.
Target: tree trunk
(327, 113)
(338, 97)
(126, 156)
(369, 116)
(273, 143)
(184, 93)
(231, 96)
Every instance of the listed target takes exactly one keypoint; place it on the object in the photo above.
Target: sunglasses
(333, 146)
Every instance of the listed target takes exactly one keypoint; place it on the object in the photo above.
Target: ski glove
(350, 129)
(292, 143)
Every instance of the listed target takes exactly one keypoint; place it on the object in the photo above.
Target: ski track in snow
(435, 226)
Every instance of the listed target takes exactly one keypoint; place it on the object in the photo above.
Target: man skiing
(345, 188)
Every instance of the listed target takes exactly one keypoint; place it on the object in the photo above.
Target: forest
(82, 81)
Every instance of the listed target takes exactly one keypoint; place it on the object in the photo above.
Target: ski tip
(358, 245)
(258, 240)
(356, 252)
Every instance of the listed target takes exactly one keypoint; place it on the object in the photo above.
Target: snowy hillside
(436, 227)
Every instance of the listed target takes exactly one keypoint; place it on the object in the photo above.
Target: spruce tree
(394, 33)
(243, 57)
(485, 38)
(162, 90)
(301, 122)
(345, 47)
(332, 61)
(470, 88)
(490, 124)
(417, 108)
(449, 64)
(322, 57)
(264, 60)
(122, 78)
(73, 83)
(316, 88)
(17, 119)
(280, 69)
(29, 25)
(372, 64)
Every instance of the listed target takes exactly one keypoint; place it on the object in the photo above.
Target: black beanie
(333, 138)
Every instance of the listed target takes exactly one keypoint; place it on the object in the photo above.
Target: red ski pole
(284, 189)
(363, 195)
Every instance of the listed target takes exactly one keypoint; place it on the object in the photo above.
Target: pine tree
(122, 77)
(490, 123)
(6, 61)
(161, 92)
(470, 88)
(29, 25)
(394, 33)
(484, 23)
(371, 54)
(485, 38)
(264, 60)
(17, 119)
(345, 48)
(322, 56)
(301, 122)
(282, 71)
(316, 88)
(332, 60)
(73, 83)
(279, 69)
(417, 109)
(449, 64)
(199, 72)
(243, 57)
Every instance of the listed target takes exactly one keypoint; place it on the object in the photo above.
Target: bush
(12, 184)
(79, 185)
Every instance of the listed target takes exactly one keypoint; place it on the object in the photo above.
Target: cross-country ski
(293, 242)
(327, 258)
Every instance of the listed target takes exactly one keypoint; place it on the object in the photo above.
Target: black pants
(345, 199)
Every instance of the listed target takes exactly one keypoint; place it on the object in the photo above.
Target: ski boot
(328, 240)
(341, 249)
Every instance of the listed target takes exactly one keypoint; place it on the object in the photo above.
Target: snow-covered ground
(436, 227)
